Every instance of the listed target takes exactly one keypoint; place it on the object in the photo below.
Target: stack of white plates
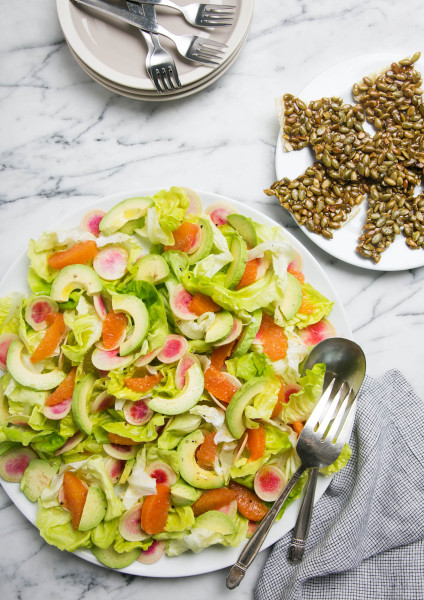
(113, 53)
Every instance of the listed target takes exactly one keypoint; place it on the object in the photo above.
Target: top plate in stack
(113, 53)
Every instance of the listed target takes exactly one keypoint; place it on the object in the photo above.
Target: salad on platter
(152, 389)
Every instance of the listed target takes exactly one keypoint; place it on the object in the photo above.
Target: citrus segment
(297, 426)
(296, 272)
(206, 452)
(114, 327)
(220, 355)
(143, 384)
(80, 254)
(51, 338)
(218, 385)
(75, 493)
(213, 500)
(64, 389)
(184, 237)
(272, 338)
(249, 275)
(154, 511)
(248, 503)
(200, 304)
(256, 442)
(115, 438)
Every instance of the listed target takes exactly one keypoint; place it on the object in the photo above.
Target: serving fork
(200, 15)
(319, 444)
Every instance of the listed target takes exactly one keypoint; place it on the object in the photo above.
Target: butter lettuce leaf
(56, 528)
(301, 404)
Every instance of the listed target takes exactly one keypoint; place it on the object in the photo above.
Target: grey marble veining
(65, 141)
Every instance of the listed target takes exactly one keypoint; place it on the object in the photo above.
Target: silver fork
(319, 445)
(200, 15)
(159, 63)
(192, 47)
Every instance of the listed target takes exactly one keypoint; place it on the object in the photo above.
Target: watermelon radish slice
(241, 446)
(114, 468)
(92, 220)
(70, 443)
(19, 420)
(195, 204)
(99, 306)
(58, 411)
(161, 472)
(218, 212)
(119, 451)
(269, 482)
(129, 525)
(290, 389)
(37, 310)
(111, 263)
(229, 509)
(137, 413)
(5, 340)
(179, 300)
(14, 462)
(262, 266)
(183, 366)
(315, 333)
(235, 332)
(152, 554)
(147, 358)
(236, 382)
(107, 360)
(296, 263)
(175, 347)
(102, 402)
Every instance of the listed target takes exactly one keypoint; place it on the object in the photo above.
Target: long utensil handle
(253, 546)
(303, 523)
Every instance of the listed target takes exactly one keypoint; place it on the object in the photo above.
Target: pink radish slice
(241, 446)
(293, 388)
(99, 306)
(19, 420)
(229, 509)
(262, 266)
(195, 204)
(183, 366)
(137, 413)
(296, 263)
(119, 451)
(152, 554)
(269, 482)
(147, 358)
(37, 310)
(236, 382)
(313, 334)
(58, 411)
(91, 221)
(218, 212)
(251, 528)
(5, 340)
(235, 332)
(102, 402)
(175, 347)
(14, 462)
(161, 472)
(179, 300)
(70, 443)
(114, 468)
(129, 525)
(111, 263)
(107, 360)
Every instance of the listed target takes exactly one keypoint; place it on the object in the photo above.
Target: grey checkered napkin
(367, 534)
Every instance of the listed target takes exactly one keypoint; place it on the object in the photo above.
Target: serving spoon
(344, 361)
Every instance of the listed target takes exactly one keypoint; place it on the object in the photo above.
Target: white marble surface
(64, 141)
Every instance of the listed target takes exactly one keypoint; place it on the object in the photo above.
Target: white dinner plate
(338, 81)
(116, 51)
(215, 557)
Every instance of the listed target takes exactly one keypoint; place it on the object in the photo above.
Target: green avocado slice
(235, 409)
(190, 470)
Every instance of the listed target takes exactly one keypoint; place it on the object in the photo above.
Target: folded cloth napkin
(367, 534)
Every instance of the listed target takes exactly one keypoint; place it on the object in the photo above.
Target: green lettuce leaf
(56, 528)
(121, 545)
(86, 330)
(95, 468)
(252, 364)
(301, 404)
(143, 433)
(9, 313)
(339, 463)
(38, 262)
(169, 457)
(322, 307)
(104, 534)
(178, 428)
(180, 518)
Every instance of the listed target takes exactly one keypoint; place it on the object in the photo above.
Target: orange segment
(142, 384)
(184, 237)
(218, 385)
(64, 389)
(51, 338)
(220, 355)
(273, 338)
(75, 493)
(154, 511)
(213, 500)
(249, 275)
(306, 307)
(113, 329)
(200, 304)
(206, 452)
(115, 438)
(296, 273)
(297, 426)
(80, 254)
(256, 442)
(248, 503)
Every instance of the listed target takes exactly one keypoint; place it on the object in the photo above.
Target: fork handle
(303, 523)
(253, 546)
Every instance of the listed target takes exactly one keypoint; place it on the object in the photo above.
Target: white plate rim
(388, 262)
(214, 557)
(64, 8)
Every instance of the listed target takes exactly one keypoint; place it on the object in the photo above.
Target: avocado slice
(94, 509)
(206, 243)
(245, 228)
(216, 521)
(152, 268)
(186, 399)
(36, 477)
(183, 494)
(120, 214)
(220, 328)
(80, 397)
(26, 377)
(75, 277)
(248, 334)
(190, 470)
(235, 409)
(113, 559)
(292, 300)
(236, 269)
(140, 316)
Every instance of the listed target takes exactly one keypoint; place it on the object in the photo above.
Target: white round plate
(215, 557)
(116, 51)
(338, 81)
